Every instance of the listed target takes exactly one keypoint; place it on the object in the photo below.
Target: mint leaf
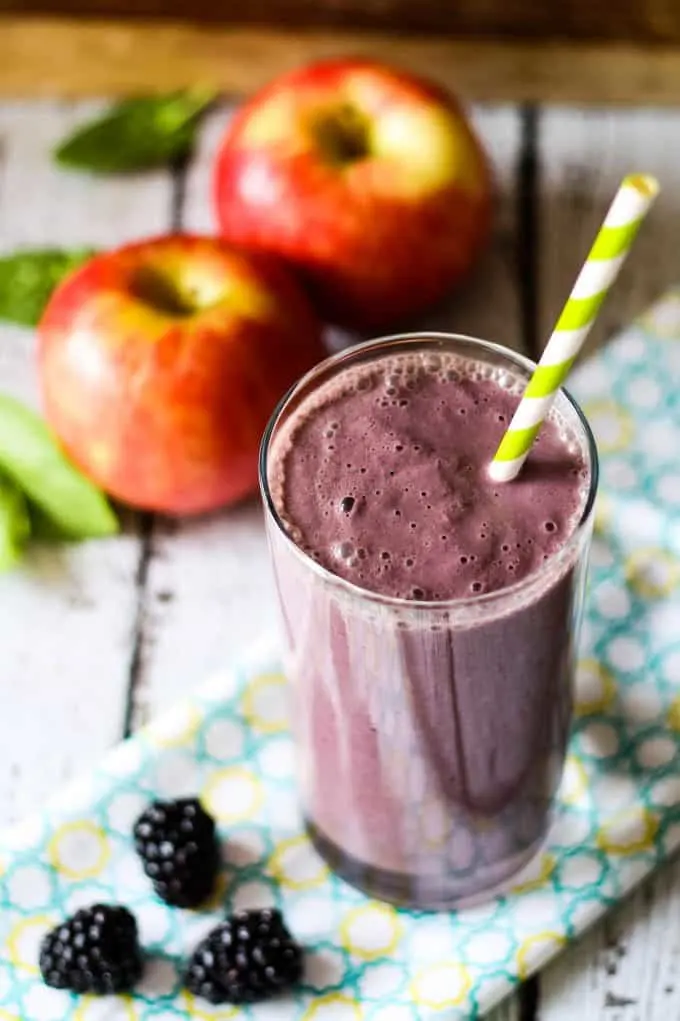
(14, 523)
(44, 528)
(30, 457)
(137, 134)
(28, 278)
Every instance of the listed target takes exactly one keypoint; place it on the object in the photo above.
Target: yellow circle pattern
(603, 513)
(367, 915)
(628, 832)
(16, 936)
(318, 1010)
(175, 729)
(82, 830)
(575, 781)
(282, 867)
(451, 976)
(674, 715)
(543, 874)
(602, 415)
(537, 949)
(200, 1010)
(652, 572)
(233, 794)
(601, 679)
(258, 692)
(124, 1003)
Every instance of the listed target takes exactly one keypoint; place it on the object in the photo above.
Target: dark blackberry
(95, 951)
(251, 956)
(178, 847)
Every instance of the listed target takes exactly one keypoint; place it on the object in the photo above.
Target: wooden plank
(209, 595)
(585, 19)
(210, 591)
(628, 968)
(44, 56)
(66, 615)
(583, 156)
(509, 1010)
(487, 304)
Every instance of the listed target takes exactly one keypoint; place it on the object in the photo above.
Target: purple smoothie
(432, 708)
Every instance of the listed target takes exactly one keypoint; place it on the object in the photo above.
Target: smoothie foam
(384, 481)
(431, 733)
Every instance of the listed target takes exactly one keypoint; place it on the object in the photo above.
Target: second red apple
(367, 179)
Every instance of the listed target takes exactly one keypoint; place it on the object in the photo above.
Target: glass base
(442, 892)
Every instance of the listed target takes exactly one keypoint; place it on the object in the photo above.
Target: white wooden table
(96, 638)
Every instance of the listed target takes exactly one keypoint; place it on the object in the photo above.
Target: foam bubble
(343, 550)
(432, 363)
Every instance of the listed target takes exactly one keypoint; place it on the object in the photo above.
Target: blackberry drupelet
(251, 956)
(177, 844)
(95, 951)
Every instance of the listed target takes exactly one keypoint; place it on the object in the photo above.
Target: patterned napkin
(619, 808)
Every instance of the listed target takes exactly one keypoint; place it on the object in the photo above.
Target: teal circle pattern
(618, 817)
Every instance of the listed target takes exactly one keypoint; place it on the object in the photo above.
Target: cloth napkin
(619, 812)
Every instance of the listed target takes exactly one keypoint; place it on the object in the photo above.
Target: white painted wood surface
(69, 618)
(66, 618)
(628, 968)
(215, 569)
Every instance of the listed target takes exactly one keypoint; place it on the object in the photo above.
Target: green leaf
(45, 528)
(137, 134)
(30, 457)
(15, 526)
(27, 280)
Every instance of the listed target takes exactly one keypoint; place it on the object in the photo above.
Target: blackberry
(178, 847)
(95, 951)
(251, 956)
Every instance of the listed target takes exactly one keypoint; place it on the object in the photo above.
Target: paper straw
(610, 248)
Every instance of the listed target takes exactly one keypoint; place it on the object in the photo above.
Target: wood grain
(637, 20)
(209, 590)
(216, 569)
(583, 156)
(66, 614)
(628, 968)
(85, 57)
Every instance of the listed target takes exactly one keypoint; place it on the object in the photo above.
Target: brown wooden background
(639, 21)
(572, 51)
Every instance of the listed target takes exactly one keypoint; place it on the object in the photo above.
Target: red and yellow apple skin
(161, 362)
(369, 181)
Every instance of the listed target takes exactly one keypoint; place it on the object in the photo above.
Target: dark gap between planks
(528, 200)
(149, 521)
(528, 289)
(527, 276)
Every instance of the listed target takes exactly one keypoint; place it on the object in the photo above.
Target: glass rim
(346, 357)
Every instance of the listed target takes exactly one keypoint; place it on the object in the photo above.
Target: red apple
(161, 362)
(367, 179)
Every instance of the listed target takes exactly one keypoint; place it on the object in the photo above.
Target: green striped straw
(611, 246)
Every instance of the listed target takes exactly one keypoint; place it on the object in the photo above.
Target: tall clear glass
(431, 736)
